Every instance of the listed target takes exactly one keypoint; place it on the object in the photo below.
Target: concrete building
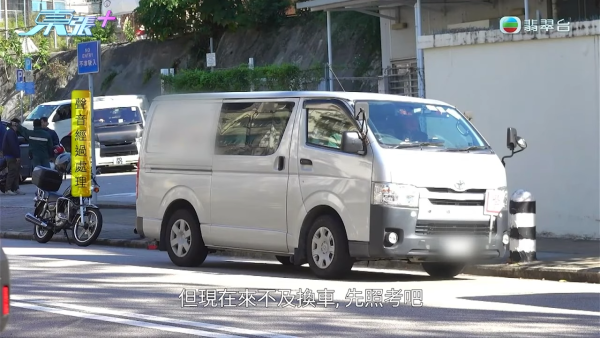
(545, 84)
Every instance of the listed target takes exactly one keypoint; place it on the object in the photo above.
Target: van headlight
(395, 195)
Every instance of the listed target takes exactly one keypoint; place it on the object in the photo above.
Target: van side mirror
(352, 144)
(511, 138)
(512, 141)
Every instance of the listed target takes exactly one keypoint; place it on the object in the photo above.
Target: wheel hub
(324, 248)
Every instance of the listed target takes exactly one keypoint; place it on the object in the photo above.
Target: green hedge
(275, 77)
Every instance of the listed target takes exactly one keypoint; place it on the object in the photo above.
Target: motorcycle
(61, 212)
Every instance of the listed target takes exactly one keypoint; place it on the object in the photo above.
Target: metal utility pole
(6, 19)
(329, 51)
(212, 69)
(55, 43)
(420, 63)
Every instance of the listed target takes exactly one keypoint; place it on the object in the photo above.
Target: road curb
(496, 270)
(115, 206)
(123, 243)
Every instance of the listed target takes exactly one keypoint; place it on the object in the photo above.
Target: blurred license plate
(458, 246)
(494, 202)
(118, 161)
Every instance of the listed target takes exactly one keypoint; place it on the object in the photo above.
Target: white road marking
(106, 311)
(146, 325)
(123, 194)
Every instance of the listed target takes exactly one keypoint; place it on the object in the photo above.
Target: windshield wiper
(419, 144)
(469, 148)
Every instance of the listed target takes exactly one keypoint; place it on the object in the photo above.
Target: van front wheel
(443, 270)
(184, 240)
(327, 248)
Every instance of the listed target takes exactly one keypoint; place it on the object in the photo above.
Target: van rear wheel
(443, 270)
(184, 240)
(327, 248)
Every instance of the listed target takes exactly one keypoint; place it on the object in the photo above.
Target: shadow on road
(565, 301)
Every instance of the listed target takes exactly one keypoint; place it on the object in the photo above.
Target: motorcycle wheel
(42, 235)
(86, 234)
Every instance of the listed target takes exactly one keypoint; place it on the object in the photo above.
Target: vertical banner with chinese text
(81, 144)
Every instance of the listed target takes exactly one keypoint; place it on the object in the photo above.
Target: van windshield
(41, 111)
(406, 124)
(118, 115)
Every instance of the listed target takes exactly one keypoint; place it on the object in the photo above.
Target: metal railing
(403, 78)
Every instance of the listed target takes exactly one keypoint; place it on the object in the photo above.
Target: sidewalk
(558, 259)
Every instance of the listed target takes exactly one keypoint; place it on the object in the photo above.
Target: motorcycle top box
(46, 179)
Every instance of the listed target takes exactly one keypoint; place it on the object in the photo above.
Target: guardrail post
(522, 227)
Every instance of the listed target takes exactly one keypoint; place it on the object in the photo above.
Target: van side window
(252, 128)
(325, 127)
(63, 113)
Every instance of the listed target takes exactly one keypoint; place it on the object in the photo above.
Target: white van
(300, 175)
(59, 113)
(118, 123)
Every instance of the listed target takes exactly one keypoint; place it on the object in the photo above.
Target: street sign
(211, 59)
(28, 74)
(29, 88)
(27, 63)
(81, 130)
(88, 57)
(20, 80)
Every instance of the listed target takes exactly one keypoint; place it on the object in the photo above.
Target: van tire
(341, 263)
(197, 251)
(285, 260)
(443, 270)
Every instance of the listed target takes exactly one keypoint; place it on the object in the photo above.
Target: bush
(275, 77)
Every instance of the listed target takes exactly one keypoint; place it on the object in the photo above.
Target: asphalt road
(62, 291)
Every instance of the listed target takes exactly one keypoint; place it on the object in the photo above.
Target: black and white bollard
(522, 227)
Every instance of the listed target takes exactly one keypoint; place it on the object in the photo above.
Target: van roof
(313, 94)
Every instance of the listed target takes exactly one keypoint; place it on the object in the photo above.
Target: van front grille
(449, 228)
(450, 191)
(470, 203)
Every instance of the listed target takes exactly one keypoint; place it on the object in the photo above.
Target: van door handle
(280, 163)
(305, 161)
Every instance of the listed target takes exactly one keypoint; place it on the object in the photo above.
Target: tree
(106, 35)
(163, 19)
(264, 14)
(11, 53)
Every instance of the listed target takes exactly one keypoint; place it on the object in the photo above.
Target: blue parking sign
(20, 80)
(29, 88)
(27, 63)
